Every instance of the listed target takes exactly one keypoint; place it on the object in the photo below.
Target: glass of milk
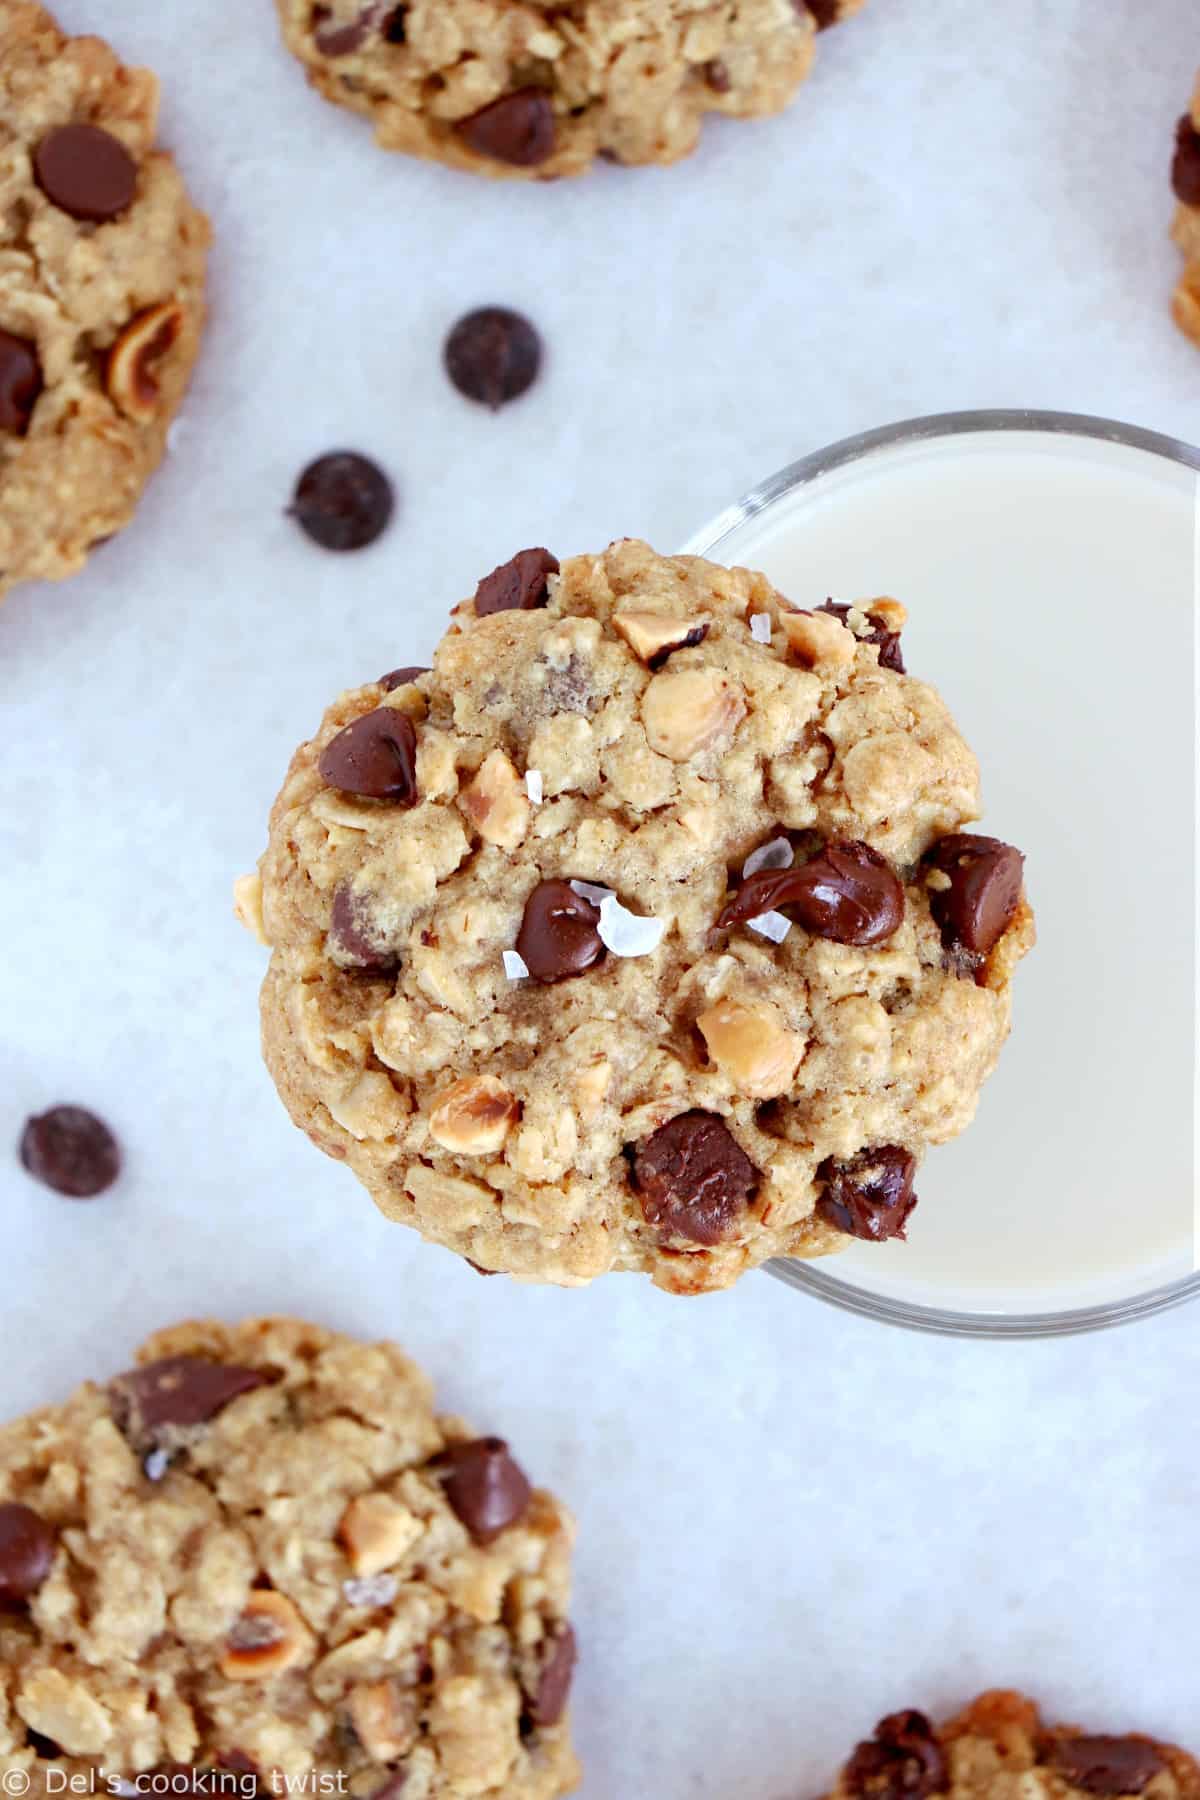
(1049, 567)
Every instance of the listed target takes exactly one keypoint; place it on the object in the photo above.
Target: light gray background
(791, 1521)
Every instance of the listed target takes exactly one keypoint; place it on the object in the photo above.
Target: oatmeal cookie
(102, 260)
(261, 1556)
(641, 932)
(999, 1747)
(1185, 179)
(535, 89)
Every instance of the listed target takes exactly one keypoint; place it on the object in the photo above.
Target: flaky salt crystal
(778, 854)
(626, 933)
(592, 892)
(370, 1590)
(771, 925)
(515, 966)
(533, 785)
(760, 627)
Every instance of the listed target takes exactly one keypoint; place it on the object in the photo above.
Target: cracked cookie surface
(1000, 1747)
(1185, 180)
(558, 1080)
(262, 1555)
(540, 89)
(102, 260)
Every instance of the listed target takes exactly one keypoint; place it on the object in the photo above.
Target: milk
(1050, 583)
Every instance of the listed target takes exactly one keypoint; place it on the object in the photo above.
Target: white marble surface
(791, 1521)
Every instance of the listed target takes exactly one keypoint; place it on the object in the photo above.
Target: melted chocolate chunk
(871, 1195)
(401, 677)
(20, 382)
(985, 877)
(1106, 1766)
(693, 1178)
(517, 128)
(1185, 166)
(560, 1653)
(847, 892)
(560, 933)
(158, 1400)
(521, 584)
(903, 1761)
(27, 1547)
(354, 938)
(375, 756)
(485, 1488)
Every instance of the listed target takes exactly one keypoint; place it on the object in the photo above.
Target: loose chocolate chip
(86, 171)
(343, 40)
(847, 893)
(870, 1196)
(1107, 1766)
(693, 1178)
(1185, 167)
(485, 1488)
(400, 677)
(20, 383)
(518, 128)
(888, 641)
(493, 355)
(902, 1762)
(376, 756)
(354, 938)
(71, 1151)
(977, 908)
(522, 584)
(177, 1393)
(343, 501)
(560, 933)
(548, 1703)
(27, 1546)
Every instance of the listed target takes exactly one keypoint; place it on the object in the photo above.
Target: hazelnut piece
(689, 710)
(653, 636)
(131, 377)
(749, 1044)
(496, 803)
(267, 1637)
(384, 1718)
(474, 1116)
(377, 1532)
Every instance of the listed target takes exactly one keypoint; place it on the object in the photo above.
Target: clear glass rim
(803, 1276)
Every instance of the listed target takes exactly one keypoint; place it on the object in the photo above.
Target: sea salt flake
(515, 966)
(760, 627)
(778, 854)
(626, 933)
(771, 925)
(592, 892)
(371, 1590)
(156, 1465)
(533, 785)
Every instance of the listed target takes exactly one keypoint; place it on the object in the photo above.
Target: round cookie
(102, 260)
(1000, 1746)
(263, 1556)
(1185, 179)
(555, 1083)
(527, 88)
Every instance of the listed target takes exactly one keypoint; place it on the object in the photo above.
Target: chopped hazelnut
(750, 1045)
(653, 636)
(474, 1116)
(689, 710)
(496, 802)
(130, 378)
(384, 1718)
(377, 1532)
(267, 1637)
(818, 640)
(891, 614)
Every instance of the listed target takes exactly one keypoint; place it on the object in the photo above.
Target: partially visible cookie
(643, 931)
(531, 88)
(999, 1748)
(262, 1552)
(1185, 179)
(102, 260)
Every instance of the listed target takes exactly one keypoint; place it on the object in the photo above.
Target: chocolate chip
(493, 355)
(376, 756)
(847, 892)
(1185, 167)
(888, 641)
(1106, 1766)
(902, 1762)
(559, 1655)
(154, 1402)
(20, 383)
(484, 1487)
(977, 908)
(560, 933)
(71, 1151)
(522, 584)
(343, 40)
(27, 1546)
(354, 938)
(717, 76)
(693, 1178)
(825, 12)
(44, 1748)
(518, 128)
(870, 1196)
(86, 171)
(343, 501)
(400, 677)
(394, 29)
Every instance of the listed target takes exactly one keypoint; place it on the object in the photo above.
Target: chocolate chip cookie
(102, 259)
(261, 1555)
(1185, 179)
(1000, 1747)
(642, 932)
(527, 88)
